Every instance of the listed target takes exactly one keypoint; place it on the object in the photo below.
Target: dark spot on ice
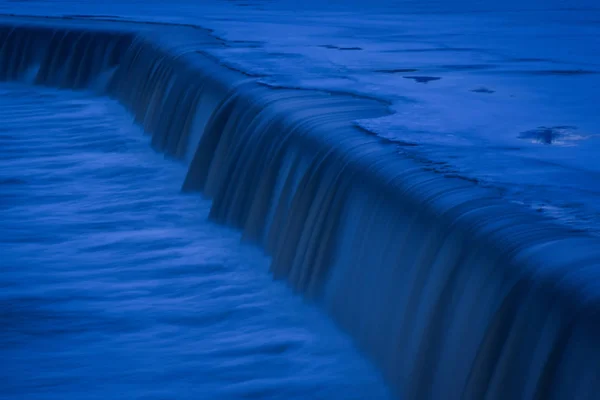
(330, 46)
(285, 55)
(423, 79)
(403, 143)
(396, 71)
(530, 59)
(562, 72)
(432, 49)
(565, 127)
(251, 44)
(483, 90)
(11, 181)
(548, 135)
(99, 16)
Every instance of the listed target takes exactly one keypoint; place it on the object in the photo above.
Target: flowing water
(116, 285)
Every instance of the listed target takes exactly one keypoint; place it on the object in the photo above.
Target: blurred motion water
(115, 285)
(375, 156)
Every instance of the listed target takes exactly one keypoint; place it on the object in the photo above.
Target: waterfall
(452, 292)
(59, 57)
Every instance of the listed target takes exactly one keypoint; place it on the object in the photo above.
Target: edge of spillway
(453, 292)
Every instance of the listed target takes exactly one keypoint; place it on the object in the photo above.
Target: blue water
(115, 285)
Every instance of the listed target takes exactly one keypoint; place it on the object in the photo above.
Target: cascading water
(453, 293)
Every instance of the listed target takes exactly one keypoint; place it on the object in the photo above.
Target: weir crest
(452, 292)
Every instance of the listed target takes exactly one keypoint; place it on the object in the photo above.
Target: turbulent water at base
(114, 285)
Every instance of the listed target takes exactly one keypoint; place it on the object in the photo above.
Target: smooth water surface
(115, 285)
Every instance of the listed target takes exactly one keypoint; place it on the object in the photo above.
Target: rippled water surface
(115, 285)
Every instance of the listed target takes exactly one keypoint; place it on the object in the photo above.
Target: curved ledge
(451, 291)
